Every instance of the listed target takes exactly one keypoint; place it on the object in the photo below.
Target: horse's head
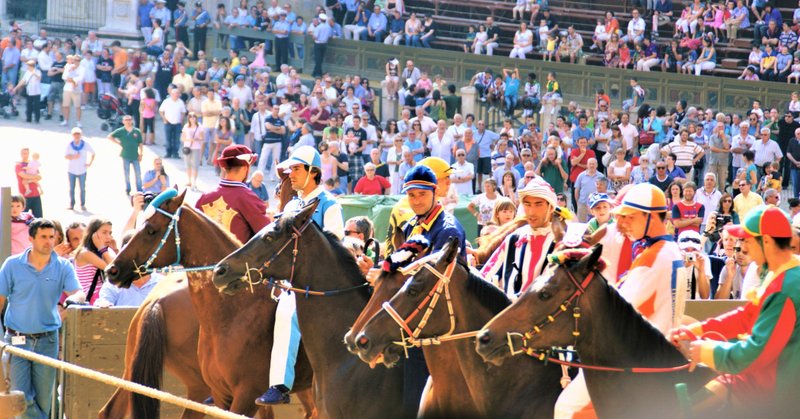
(384, 287)
(270, 253)
(154, 243)
(420, 307)
(547, 314)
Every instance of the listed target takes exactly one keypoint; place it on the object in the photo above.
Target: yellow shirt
(743, 204)
(551, 45)
(214, 107)
(184, 80)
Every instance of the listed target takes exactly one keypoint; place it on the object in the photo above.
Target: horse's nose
(362, 341)
(485, 337)
(350, 343)
(112, 272)
(221, 270)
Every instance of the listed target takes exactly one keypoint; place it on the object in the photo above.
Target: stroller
(7, 108)
(110, 110)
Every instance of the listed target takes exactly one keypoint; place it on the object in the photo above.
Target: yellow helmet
(440, 167)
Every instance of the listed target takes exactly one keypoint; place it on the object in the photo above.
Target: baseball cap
(764, 220)
(598, 197)
(304, 155)
(76, 130)
(419, 177)
(690, 239)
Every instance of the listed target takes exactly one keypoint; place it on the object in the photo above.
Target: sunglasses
(727, 200)
(350, 232)
(690, 240)
(737, 249)
(661, 168)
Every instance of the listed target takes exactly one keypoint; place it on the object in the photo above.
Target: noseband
(410, 338)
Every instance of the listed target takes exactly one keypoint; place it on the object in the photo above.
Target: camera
(148, 197)
(689, 257)
(722, 220)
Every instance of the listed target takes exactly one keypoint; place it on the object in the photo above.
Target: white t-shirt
(524, 38)
(485, 207)
(78, 166)
(628, 132)
(460, 172)
(441, 148)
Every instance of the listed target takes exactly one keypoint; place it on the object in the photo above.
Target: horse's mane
(342, 254)
(216, 226)
(637, 332)
(489, 296)
(491, 242)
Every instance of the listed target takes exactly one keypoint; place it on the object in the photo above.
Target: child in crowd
(33, 169)
(469, 40)
(89, 78)
(19, 225)
(771, 178)
(551, 47)
(544, 34)
(794, 104)
(600, 207)
(795, 74)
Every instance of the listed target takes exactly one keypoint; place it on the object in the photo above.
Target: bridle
(410, 338)
(269, 280)
(145, 269)
(561, 356)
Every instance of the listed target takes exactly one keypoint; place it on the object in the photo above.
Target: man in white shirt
(282, 80)
(426, 122)
(172, 111)
(372, 133)
(440, 143)
(635, 29)
(629, 133)
(463, 172)
(456, 131)
(73, 87)
(257, 125)
(740, 143)
(766, 150)
(709, 196)
(241, 90)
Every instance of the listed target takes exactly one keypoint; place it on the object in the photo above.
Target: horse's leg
(197, 392)
(428, 405)
(117, 406)
(306, 398)
(265, 412)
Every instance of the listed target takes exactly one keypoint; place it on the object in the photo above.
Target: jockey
(523, 254)
(402, 212)
(648, 284)
(431, 221)
(304, 170)
(233, 205)
(756, 347)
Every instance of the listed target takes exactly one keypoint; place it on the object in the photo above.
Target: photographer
(156, 180)
(732, 273)
(716, 222)
(696, 264)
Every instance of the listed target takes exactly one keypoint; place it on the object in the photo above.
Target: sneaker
(60, 118)
(48, 117)
(483, 99)
(78, 124)
(275, 395)
(593, 47)
(209, 401)
(83, 208)
(63, 123)
(83, 107)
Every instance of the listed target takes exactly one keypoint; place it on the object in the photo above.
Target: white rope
(212, 411)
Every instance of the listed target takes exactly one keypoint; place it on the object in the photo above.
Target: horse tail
(491, 242)
(148, 362)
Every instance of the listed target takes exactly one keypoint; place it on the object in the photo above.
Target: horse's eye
(544, 295)
(150, 231)
(412, 292)
(268, 237)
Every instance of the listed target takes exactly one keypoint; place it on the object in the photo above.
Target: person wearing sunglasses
(734, 271)
(746, 200)
(661, 178)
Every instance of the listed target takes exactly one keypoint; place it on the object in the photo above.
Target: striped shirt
(685, 153)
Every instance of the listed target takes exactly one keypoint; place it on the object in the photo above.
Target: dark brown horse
(465, 303)
(443, 401)
(611, 334)
(223, 325)
(296, 249)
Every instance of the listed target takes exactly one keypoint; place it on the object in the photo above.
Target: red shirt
(575, 170)
(32, 186)
(234, 206)
(376, 186)
(682, 211)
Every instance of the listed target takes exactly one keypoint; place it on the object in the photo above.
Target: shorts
(484, 165)
(71, 98)
(89, 88)
(149, 125)
(56, 92)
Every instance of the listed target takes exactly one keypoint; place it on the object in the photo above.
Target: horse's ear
(450, 249)
(177, 201)
(592, 260)
(305, 213)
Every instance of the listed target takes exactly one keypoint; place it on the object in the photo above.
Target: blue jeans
(10, 76)
(413, 41)
(795, 182)
(299, 48)
(126, 166)
(238, 138)
(172, 132)
(82, 180)
(35, 380)
(511, 104)
(379, 35)
(426, 42)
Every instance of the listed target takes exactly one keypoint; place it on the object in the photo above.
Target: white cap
(323, 17)
(76, 130)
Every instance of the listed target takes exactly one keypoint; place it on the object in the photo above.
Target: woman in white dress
(523, 42)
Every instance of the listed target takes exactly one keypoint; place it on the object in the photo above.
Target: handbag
(645, 138)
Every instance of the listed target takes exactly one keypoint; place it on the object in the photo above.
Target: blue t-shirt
(156, 187)
(485, 142)
(261, 191)
(512, 87)
(33, 295)
(414, 145)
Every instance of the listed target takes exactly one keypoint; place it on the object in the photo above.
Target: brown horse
(465, 303)
(296, 249)
(610, 333)
(442, 401)
(166, 328)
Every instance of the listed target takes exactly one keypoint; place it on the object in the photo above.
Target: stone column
(120, 19)
(469, 100)
(388, 105)
(3, 9)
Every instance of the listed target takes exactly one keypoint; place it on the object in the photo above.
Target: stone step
(743, 43)
(731, 62)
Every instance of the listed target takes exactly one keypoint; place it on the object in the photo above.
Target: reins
(307, 292)
(144, 270)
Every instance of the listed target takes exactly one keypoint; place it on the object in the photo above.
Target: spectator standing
(172, 111)
(31, 81)
(661, 178)
(687, 214)
(274, 131)
(73, 85)
(719, 146)
(156, 179)
(201, 21)
(280, 29)
(212, 109)
(28, 184)
(586, 185)
(321, 34)
(786, 132)
(463, 173)
(746, 200)
(630, 135)
(371, 183)
(32, 283)
(793, 156)
(687, 153)
(551, 169)
(766, 150)
(78, 153)
(129, 138)
(11, 58)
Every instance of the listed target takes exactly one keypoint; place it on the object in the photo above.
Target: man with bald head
(586, 185)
